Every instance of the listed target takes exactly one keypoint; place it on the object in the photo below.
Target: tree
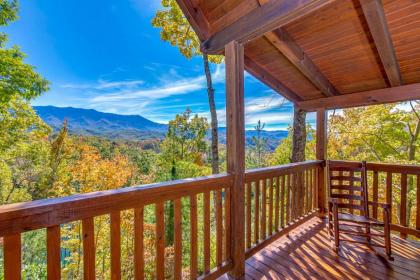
(299, 135)
(184, 148)
(257, 154)
(23, 143)
(176, 29)
(381, 133)
(283, 153)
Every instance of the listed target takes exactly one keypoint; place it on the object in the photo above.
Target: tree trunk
(214, 125)
(299, 135)
(298, 154)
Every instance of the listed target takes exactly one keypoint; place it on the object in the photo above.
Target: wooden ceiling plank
(378, 26)
(196, 18)
(365, 98)
(290, 49)
(266, 78)
(268, 17)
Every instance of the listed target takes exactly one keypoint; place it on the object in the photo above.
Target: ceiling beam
(378, 26)
(365, 98)
(280, 39)
(270, 16)
(196, 18)
(265, 77)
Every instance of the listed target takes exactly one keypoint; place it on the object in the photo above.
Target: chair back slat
(347, 182)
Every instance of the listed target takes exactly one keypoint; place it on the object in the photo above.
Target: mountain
(128, 127)
(94, 123)
(273, 137)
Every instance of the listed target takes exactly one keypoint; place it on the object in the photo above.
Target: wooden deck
(306, 254)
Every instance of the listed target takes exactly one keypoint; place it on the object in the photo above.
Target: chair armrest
(381, 205)
(333, 200)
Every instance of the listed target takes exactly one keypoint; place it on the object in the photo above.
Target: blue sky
(105, 55)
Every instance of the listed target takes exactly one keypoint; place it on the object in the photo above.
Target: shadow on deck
(306, 254)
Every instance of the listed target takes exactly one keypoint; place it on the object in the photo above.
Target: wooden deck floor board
(306, 253)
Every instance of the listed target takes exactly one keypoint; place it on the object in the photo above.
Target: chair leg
(367, 227)
(387, 234)
(336, 227)
(330, 219)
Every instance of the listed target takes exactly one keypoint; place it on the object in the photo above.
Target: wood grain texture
(305, 253)
(138, 243)
(193, 236)
(88, 232)
(44, 213)
(160, 241)
(115, 245)
(378, 27)
(177, 239)
(261, 20)
(321, 154)
(235, 120)
(12, 257)
(206, 233)
(219, 226)
(365, 98)
(53, 253)
(289, 48)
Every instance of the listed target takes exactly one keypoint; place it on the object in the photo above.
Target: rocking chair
(348, 195)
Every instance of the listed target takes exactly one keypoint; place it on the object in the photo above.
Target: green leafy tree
(176, 29)
(283, 153)
(23, 143)
(256, 155)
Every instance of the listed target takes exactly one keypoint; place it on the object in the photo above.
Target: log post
(235, 120)
(321, 154)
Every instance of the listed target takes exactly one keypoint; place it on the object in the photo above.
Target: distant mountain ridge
(95, 123)
(128, 127)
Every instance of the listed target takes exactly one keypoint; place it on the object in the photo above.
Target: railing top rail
(382, 167)
(25, 216)
(281, 169)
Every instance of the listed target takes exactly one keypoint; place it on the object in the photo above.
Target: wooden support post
(235, 121)
(321, 154)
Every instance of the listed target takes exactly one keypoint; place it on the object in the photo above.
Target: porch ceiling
(320, 53)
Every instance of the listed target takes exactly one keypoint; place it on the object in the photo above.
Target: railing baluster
(12, 257)
(270, 206)
(403, 206)
(388, 196)
(138, 243)
(193, 234)
(88, 231)
(351, 183)
(207, 231)
(248, 215)
(257, 212)
(160, 240)
(219, 228)
(53, 253)
(177, 239)
(115, 245)
(263, 208)
(227, 223)
(306, 191)
(288, 200)
(282, 204)
(418, 203)
(276, 181)
(375, 194)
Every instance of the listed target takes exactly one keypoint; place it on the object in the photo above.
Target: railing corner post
(235, 120)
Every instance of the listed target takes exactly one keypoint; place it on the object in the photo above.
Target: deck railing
(202, 196)
(277, 199)
(398, 185)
